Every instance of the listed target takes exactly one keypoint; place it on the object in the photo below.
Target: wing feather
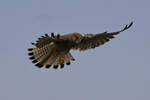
(90, 41)
(44, 40)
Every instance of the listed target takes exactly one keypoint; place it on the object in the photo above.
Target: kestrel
(54, 50)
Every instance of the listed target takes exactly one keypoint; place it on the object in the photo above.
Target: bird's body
(55, 50)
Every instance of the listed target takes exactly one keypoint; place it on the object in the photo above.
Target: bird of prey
(54, 50)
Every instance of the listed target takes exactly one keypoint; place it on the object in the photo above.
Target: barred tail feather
(56, 63)
(52, 59)
(70, 56)
(59, 60)
(67, 59)
(48, 56)
(40, 55)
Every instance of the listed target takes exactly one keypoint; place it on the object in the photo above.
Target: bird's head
(76, 37)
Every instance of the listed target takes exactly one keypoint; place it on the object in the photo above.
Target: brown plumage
(55, 50)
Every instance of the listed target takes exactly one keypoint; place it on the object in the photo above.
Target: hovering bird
(54, 50)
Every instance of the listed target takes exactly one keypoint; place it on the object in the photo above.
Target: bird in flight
(54, 50)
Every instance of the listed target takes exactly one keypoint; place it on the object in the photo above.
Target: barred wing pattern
(91, 41)
(44, 40)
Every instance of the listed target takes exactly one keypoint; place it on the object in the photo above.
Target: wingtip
(58, 35)
(46, 35)
(126, 27)
(52, 35)
(130, 24)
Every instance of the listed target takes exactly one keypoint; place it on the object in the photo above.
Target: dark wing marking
(90, 41)
(44, 40)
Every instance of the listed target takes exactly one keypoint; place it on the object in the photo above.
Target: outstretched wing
(90, 41)
(44, 40)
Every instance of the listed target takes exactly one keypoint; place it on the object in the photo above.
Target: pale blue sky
(118, 70)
